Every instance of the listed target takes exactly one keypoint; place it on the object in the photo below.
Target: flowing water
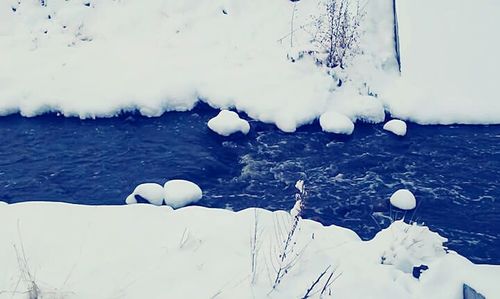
(454, 171)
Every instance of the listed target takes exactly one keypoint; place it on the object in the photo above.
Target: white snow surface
(227, 123)
(396, 126)
(335, 122)
(74, 251)
(115, 56)
(179, 193)
(449, 54)
(151, 192)
(403, 199)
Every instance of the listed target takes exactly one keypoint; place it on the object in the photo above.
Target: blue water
(454, 171)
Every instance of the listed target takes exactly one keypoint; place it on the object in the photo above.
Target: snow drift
(449, 62)
(146, 251)
(106, 57)
(99, 58)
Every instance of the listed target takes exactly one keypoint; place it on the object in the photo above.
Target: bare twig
(287, 256)
(313, 285)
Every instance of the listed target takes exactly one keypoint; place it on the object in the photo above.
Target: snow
(179, 193)
(403, 199)
(335, 122)
(147, 251)
(116, 56)
(227, 123)
(403, 252)
(396, 126)
(449, 62)
(151, 192)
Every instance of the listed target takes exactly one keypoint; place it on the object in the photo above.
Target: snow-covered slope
(449, 55)
(110, 56)
(96, 58)
(145, 251)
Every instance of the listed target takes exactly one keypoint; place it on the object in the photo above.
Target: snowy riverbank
(140, 251)
(99, 58)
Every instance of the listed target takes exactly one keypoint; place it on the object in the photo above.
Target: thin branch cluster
(321, 286)
(338, 31)
(287, 253)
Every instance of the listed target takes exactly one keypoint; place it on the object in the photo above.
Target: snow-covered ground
(449, 53)
(97, 58)
(146, 251)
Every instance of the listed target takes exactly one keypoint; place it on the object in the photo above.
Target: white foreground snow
(403, 199)
(335, 122)
(396, 126)
(227, 123)
(145, 251)
(151, 192)
(179, 193)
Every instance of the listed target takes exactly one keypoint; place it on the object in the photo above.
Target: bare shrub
(338, 31)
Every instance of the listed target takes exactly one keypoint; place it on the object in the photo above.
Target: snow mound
(212, 247)
(179, 193)
(227, 123)
(410, 246)
(403, 199)
(396, 126)
(151, 192)
(334, 122)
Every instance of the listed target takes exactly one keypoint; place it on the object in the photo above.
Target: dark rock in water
(470, 293)
(417, 271)
(141, 199)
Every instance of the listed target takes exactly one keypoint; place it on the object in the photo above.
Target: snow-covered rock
(151, 192)
(227, 123)
(75, 251)
(403, 199)
(334, 122)
(179, 193)
(396, 126)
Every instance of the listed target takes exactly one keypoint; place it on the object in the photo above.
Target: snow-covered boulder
(403, 199)
(396, 126)
(334, 122)
(179, 193)
(151, 192)
(228, 122)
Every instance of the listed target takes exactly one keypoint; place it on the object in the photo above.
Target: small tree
(338, 31)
